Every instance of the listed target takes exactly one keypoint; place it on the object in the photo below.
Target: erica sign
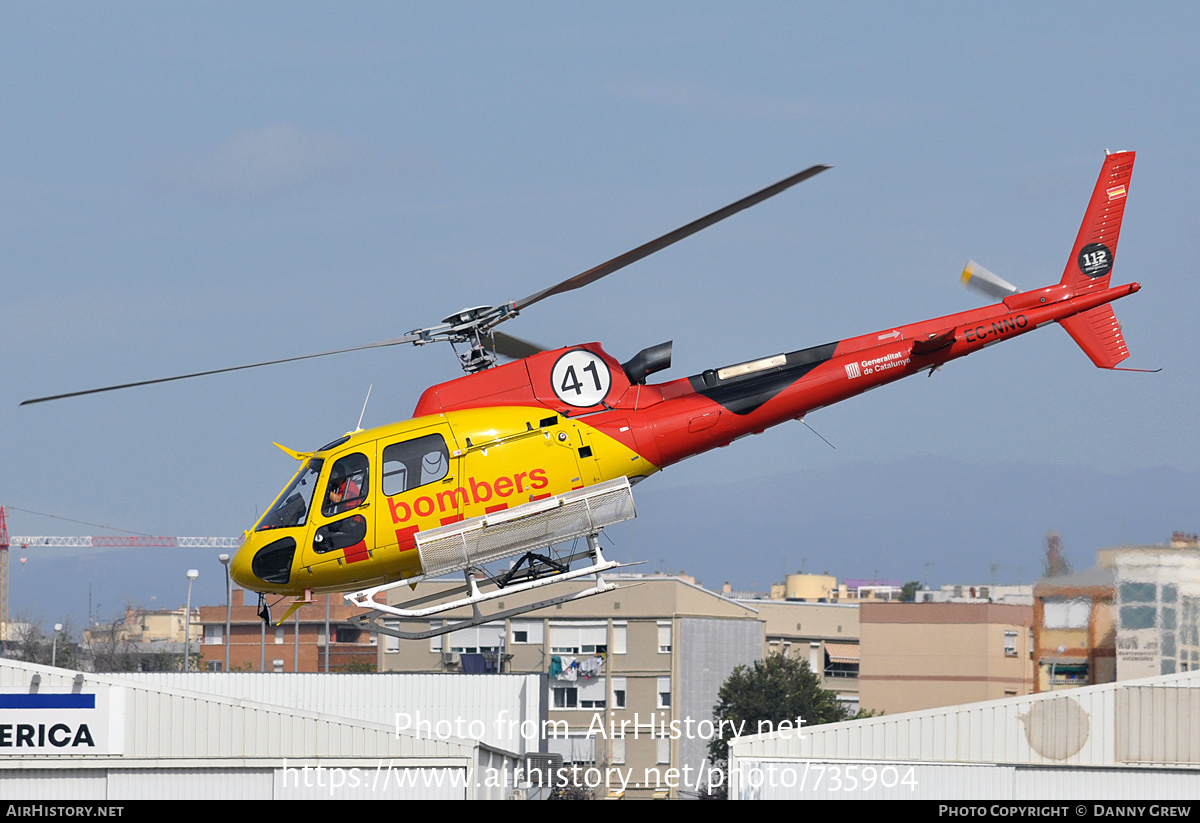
(61, 722)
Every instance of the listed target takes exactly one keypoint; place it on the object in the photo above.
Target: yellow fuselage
(412, 476)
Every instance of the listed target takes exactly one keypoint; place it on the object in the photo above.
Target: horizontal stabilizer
(1099, 335)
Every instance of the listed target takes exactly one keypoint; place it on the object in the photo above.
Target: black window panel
(273, 562)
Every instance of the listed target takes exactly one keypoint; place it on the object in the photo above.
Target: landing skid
(532, 571)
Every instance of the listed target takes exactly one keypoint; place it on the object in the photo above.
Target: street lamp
(192, 574)
(224, 558)
(58, 627)
(1054, 664)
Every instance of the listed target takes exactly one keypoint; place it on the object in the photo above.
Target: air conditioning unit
(449, 658)
(542, 769)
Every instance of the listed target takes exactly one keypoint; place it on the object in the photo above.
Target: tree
(908, 592)
(759, 698)
(31, 643)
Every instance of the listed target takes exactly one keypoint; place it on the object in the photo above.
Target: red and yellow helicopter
(513, 459)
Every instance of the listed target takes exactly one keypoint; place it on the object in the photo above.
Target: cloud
(261, 163)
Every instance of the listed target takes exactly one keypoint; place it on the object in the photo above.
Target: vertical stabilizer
(1090, 265)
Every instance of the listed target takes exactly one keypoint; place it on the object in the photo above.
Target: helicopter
(515, 458)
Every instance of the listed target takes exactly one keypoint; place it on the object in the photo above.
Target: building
(1074, 637)
(653, 653)
(146, 626)
(299, 645)
(199, 736)
(1136, 614)
(825, 635)
(923, 655)
(1157, 607)
(1017, 595)
(143, 640)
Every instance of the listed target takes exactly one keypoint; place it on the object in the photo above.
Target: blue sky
(188, 186)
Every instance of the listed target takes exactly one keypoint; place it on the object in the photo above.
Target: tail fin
(1090, 266)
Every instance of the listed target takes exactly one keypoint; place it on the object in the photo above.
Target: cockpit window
(291, 509)
(347, 487)
(414, 463)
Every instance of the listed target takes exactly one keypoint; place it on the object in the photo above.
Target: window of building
(664, 751)
(528, 632)
(664, 692)
(618, 692)
(215, 665)
(1061, 613)
(277, 665)
(486, 638)
(214, 634)
(664, 638)
(565, 697)
(279, 634)
(391, 644)
(1138, 593)
(618, 752)
(591, 694)
(620, 637)
(1010, 644)
(346, 634)
(578, 638)
(1137, 617)
(585, 694)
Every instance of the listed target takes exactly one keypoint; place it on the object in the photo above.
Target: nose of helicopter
(263, 563)
(239, 567)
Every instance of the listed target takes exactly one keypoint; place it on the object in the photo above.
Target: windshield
(291, 509)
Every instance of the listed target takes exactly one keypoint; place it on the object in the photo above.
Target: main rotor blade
(513, 347)
(408, 338)
(617, 263)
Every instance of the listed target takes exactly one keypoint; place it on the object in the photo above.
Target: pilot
(341, 488)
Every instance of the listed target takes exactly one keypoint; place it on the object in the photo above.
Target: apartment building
(825, 635)
(924, 655)
(316, 638)
(646, 660)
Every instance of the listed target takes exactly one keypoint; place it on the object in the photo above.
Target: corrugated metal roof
(495, 706)
(1116, 724)
(161, 722)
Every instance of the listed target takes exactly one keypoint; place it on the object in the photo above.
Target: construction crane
(100, 541)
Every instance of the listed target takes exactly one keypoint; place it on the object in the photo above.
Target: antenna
(364, 409)
(817, 433)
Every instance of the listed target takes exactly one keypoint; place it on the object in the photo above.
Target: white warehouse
(1137, 739)
(79, 736)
